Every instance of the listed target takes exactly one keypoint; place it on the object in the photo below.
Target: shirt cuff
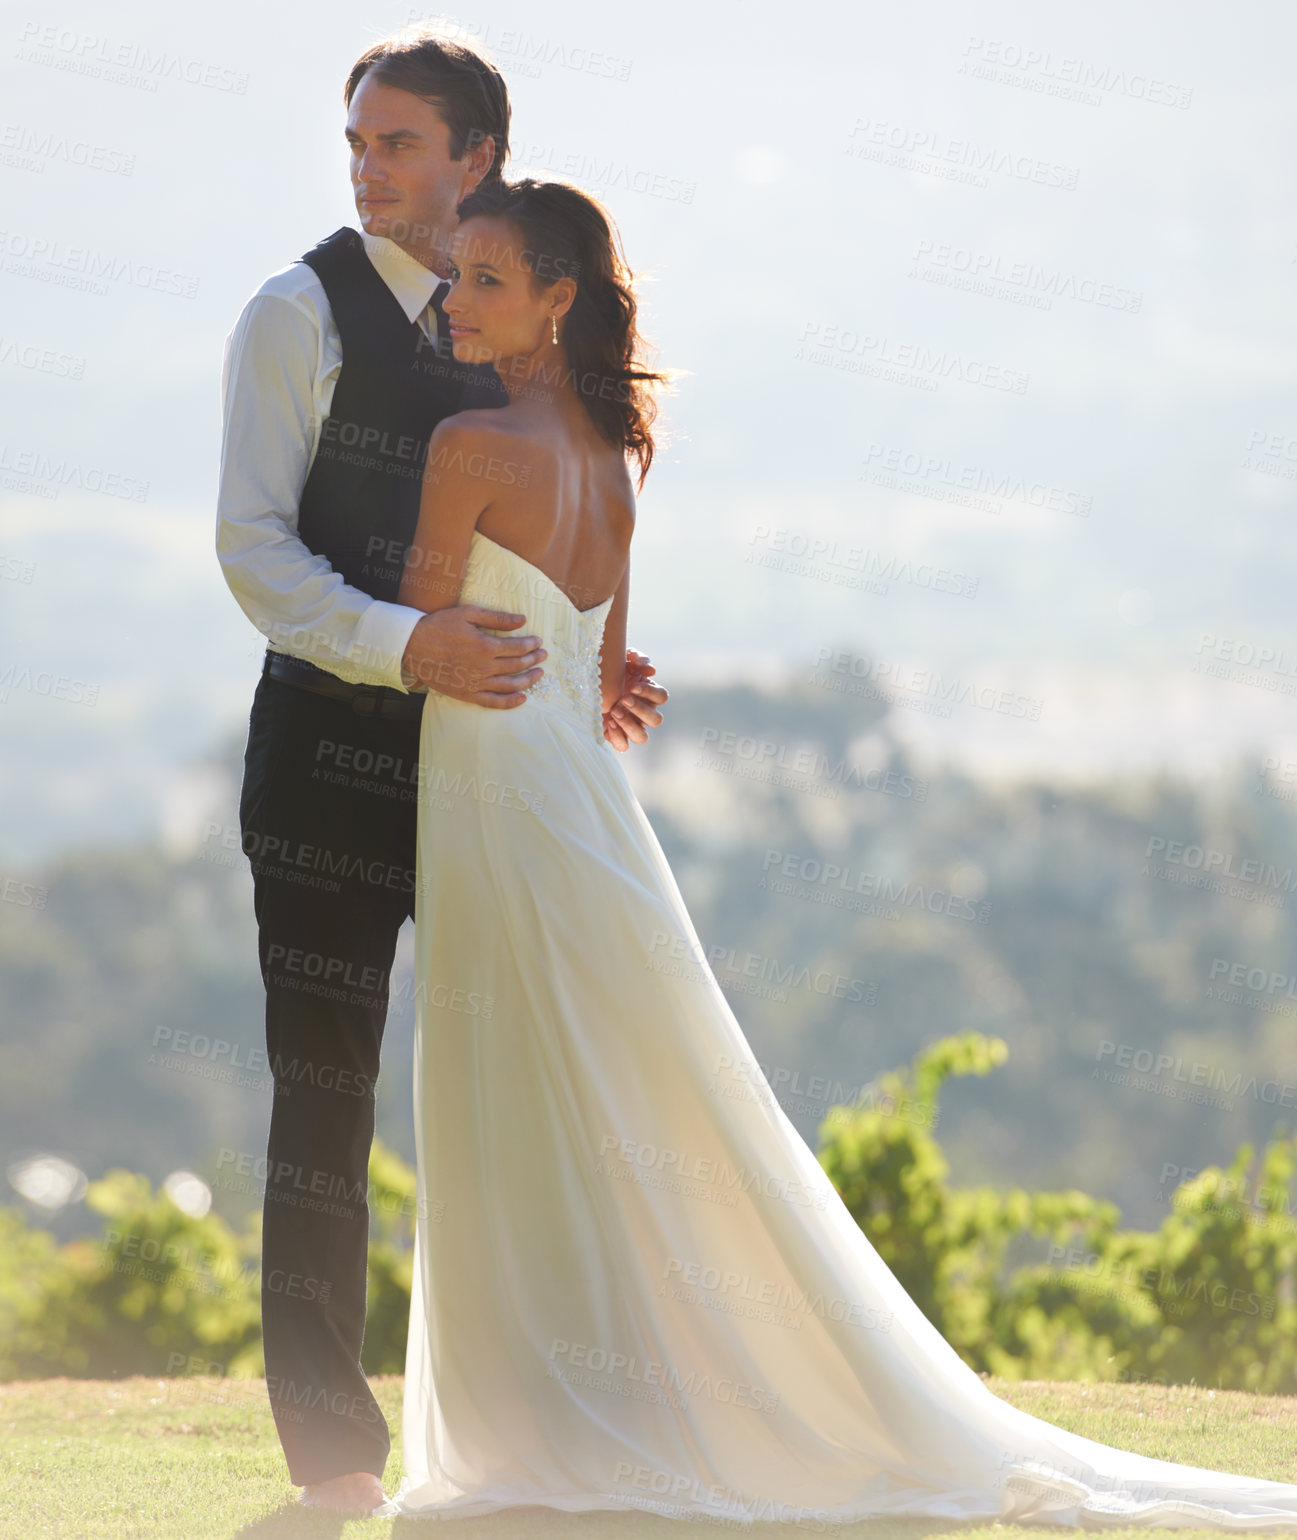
(381, 639)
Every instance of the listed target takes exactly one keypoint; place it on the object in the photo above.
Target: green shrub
(1207, 1298)
(158, 1286)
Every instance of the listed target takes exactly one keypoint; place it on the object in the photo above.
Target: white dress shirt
(281, 364)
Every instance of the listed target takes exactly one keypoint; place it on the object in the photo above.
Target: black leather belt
(364, 699)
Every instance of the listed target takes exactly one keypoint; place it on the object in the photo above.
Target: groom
(336, 373)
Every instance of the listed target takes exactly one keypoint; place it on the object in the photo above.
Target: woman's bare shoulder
(481, 425)
(485, 442)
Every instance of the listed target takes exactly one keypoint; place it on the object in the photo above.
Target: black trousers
(328, 812)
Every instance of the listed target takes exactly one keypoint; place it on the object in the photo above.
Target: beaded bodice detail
(503, 580)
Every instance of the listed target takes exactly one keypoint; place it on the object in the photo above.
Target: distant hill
(851, 911)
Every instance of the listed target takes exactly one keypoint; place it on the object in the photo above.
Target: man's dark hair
(467, 89)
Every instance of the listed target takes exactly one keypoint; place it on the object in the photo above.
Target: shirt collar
(411, 283)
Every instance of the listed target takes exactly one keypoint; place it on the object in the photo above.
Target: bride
(634, 1285)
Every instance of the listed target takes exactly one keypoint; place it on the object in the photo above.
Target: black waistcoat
(360, 504)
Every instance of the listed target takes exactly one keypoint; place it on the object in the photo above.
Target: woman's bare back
(561, 498)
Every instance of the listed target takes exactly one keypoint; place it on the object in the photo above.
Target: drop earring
(553, 321)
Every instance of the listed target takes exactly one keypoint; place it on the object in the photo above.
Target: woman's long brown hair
(566, 232)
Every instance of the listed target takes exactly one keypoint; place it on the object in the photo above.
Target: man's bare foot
(358, 1492)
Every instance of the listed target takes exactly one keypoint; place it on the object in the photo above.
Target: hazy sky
(988, 313)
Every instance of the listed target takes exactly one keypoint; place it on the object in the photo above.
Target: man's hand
(449, 653)
(635, 711)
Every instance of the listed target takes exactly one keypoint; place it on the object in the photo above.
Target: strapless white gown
(634, 1285)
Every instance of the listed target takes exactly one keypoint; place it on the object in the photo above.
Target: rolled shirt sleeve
(276, 382)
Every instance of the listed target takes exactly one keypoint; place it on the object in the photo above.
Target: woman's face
(495, 307)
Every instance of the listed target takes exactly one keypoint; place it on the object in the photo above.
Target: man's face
(406, 185)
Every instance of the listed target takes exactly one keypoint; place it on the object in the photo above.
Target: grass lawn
(194, 1459)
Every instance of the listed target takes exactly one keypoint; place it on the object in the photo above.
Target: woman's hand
(635, 711)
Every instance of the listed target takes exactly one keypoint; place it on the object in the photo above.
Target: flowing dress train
(634, 1285)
